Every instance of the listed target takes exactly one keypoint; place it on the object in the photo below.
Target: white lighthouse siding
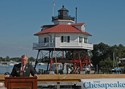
(55, 41)
(74, 42)
(63, 22)
(83, 28)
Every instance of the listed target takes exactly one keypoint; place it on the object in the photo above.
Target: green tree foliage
(16, 59)
(100, 52)
(106, 65)
(31, 59)
(105, 56)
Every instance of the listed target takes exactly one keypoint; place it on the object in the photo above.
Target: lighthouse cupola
(63, 13)
(63, 17)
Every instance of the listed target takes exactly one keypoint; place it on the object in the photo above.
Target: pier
(70, 77)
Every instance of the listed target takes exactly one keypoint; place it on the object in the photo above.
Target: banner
(107, 83)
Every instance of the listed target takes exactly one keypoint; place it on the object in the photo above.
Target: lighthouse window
(46, 39)
(65, 38)
(80, 39)
(85, 40)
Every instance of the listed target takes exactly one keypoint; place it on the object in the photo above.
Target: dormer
(80, 26)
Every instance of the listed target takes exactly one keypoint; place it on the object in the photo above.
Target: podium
(21, 82)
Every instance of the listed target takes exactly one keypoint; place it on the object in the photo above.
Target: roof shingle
(62, 28)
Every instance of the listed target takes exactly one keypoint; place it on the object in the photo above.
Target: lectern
(21, 82)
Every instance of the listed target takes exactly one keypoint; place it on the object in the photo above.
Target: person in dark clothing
(23, 69)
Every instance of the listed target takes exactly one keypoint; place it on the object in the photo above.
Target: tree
(106, 65)
(100, 53)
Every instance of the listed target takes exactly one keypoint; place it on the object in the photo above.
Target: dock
(70, 77)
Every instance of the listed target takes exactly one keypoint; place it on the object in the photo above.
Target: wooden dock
(71, 77)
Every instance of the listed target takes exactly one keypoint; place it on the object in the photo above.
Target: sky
(21, 19)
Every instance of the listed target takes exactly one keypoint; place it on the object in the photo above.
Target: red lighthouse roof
(62, 28)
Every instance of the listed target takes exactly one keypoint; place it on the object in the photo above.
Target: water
(8, 68)
(5, 68)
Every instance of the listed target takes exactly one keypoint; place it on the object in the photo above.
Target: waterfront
(8, 68)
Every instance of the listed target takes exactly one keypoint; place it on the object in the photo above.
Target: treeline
(105, 57)
(16, 59)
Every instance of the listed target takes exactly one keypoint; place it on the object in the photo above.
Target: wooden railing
(70, 77)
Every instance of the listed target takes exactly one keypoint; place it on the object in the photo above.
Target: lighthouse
(64, 44)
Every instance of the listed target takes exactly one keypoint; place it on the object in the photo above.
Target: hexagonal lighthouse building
(63, 44)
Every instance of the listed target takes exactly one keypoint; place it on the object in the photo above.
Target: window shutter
(68, 38)
(61, 38)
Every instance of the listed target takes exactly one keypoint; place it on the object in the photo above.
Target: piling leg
(58, 85)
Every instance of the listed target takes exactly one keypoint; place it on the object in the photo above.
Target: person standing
(23, 69)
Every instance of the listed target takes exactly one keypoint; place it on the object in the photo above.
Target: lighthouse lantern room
(63, 44)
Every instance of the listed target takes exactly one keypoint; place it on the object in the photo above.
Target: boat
(41, 63)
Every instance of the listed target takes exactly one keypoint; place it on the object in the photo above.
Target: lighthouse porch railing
(72, 44)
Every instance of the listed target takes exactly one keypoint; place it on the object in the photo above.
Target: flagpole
(76, 15)
(53, 8)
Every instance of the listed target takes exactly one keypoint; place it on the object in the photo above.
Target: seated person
(23, 69)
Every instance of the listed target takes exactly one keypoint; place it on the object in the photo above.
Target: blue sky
(20, 19)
